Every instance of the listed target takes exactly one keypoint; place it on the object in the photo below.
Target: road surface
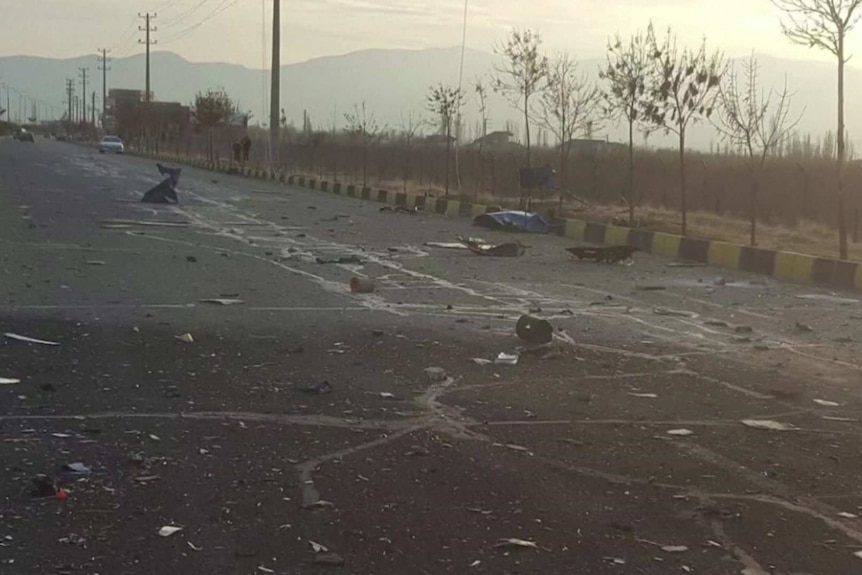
(684, 419)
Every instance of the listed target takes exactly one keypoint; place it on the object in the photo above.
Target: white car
(111, 144)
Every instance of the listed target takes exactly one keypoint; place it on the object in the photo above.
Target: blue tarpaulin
(514, 221)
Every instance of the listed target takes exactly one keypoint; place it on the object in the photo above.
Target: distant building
(494, 140)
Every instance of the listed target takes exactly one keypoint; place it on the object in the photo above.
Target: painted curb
(787, 266)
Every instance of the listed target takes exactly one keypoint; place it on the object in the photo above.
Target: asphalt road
(398, 469)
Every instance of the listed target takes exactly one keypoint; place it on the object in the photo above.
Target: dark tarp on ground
(514, 221)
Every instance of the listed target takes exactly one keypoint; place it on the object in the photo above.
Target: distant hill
(392, 82)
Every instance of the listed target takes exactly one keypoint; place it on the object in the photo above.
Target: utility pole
(275, 81)
(70, 91)
(147, 29)
(104, 68)
(84, 72)
(93, 109)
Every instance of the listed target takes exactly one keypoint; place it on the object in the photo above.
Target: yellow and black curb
(782, 265)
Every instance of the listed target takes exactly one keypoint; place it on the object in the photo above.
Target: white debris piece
(769, 424)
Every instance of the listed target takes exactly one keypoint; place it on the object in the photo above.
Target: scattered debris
(351, 259)
(387, 395)
(673, 312)
(185, 338)
(606, 254)
(513, 543)
(77, 468)
(768, 424)
(715, 323)
(191, 259)
(481, 361)
(650, 288)
(506, 359)
(846, 515)
(680, 432)
(26, 339)
(331, 559)
(9, 381)
(801, 327)
(685, 265)
(319, 504)
(513, 221)
(193, 546)
(317, 547)
(318, 388)
(436, 374)
(147, 478)
(73, 539)
(169, 530)
(534, 330)
(43, 486)
(829, 298)
(645, 395)
(361, 285)
(400, 210)
(826, 403)
(95, 263)
(674, 548)
(446, 245)
(843, 419)
(506, 250)
(223, 301)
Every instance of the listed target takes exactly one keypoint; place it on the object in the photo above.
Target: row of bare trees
(649, 82)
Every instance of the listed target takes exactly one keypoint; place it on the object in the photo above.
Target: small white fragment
(680, 432)
(826, 403)
(768, 424)
(481, 361)
(507, 359)
(9, 381)
(317, 547)
(674, 548)
(169, 530)
(846, 515)
(644, 395)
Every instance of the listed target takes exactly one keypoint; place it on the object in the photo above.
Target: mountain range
(393, 83)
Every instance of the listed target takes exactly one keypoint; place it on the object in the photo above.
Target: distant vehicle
(25, 136)
(111, 144)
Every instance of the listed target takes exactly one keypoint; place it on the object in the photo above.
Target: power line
(184, 16)
(225, 5)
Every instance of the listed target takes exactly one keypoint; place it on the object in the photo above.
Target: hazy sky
(233, 30)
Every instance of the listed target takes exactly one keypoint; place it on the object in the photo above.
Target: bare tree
(682, 93)
(362, 126)
(570, 104)
(824, 24)
(444, 102)
(627, 75)
(411, 125)
(522, 72)
(756, 121)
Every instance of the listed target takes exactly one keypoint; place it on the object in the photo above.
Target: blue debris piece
(514, 221)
